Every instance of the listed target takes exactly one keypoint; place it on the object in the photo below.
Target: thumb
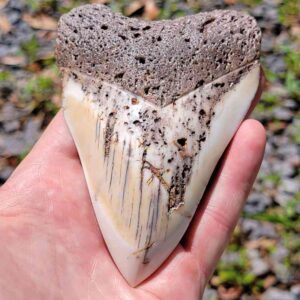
(55, 146)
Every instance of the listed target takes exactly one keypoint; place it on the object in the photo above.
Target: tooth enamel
(148, 157)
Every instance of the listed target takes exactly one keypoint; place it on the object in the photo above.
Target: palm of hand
(51, 246)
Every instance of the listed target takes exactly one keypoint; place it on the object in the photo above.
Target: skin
(51, 246)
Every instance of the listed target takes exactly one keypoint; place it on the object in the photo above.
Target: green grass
(5, 75)
(235, 272)
(38, 88)
(285, 216)
(292, 84)
(171, 9)
(292, 59)
(292, 76)
(70, 5)
(41, 5)
(289, 11)
(23, 154)
(38, 92)
(275, 178)
(268, 102)
(270, 76)
(30, 49)
(295, 129)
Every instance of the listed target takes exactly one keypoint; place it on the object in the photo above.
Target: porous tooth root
(147, 166)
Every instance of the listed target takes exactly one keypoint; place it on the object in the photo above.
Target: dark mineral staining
(202, 112)
(119, 75)
(108, 132)
(141, 59)
(212, 45)
(170, 160)
(202, 138)
(136, 122)
(181, 142)
(199, 83)
(219, 84)
(179, 182)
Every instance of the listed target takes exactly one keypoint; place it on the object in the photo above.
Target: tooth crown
(159, 61)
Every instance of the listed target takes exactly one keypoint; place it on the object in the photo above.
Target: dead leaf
(215, 281)
(276, 126)
(5, 25)
(261, 243)
(231, 293)
(56, 99)
(46, 35)
(295, 30)
(34, 67)
(133, 7)
(3, 3)
(40, 21)
(269, 281)
(12, 60)
(151, 10)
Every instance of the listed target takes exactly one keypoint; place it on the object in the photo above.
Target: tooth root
(147, 166)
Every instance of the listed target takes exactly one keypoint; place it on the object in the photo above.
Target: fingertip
(253, 133)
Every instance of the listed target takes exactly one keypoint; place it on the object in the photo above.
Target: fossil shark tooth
(151, 107)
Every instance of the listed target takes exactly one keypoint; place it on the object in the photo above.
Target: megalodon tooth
(151, 107)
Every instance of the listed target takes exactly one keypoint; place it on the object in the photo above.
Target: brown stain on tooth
(157, 173)
(134, 101)
(179, 182)
(108, 132)
(143, 249)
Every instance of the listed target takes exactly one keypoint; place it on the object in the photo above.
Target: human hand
(51, 246)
